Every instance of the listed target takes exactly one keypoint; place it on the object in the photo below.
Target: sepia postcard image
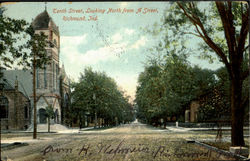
(124, 81)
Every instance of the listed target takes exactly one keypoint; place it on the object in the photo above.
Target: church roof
(7, 85)
(42, 22)
(24, 80)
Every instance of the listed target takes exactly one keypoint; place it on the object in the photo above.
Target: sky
(112, 40)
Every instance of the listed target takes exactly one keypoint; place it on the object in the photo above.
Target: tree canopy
(19, 42)
(96, 92)
(165, 89)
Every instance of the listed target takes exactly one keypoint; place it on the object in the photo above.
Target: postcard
(149, 81)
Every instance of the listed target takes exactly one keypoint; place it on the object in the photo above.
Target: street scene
(150, 81)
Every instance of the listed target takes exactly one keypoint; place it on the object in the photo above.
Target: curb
(13, 145)
(223, 152)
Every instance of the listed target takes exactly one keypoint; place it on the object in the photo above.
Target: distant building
(52, 83)
(191, 115)
(211, 106)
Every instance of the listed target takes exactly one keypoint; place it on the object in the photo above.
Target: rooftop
(43, 20)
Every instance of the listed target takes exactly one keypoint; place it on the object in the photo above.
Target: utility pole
(15, 104)
(34, 95)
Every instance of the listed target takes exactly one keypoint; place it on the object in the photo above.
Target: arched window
(66, 99)
(42, 116)
(4, 107)
(26, 111)
(57, 72)
(56, 118)
(53, 74)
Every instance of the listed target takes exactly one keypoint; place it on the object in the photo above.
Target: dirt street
(130, 142)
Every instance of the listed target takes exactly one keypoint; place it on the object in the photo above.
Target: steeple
(45, 6)
(44, 21)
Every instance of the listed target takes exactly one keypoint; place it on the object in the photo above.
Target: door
(42, 116)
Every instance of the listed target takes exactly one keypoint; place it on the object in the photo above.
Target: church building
(52, 83)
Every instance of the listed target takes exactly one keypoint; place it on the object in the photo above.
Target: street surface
(129, 142)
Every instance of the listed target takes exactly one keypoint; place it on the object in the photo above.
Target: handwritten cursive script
(123, 149)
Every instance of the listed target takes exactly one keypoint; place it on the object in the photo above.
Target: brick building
(14, 106)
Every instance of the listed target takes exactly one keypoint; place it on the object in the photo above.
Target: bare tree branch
(192, 34)
(243, 31)
(185, 12)
(196, 21)
(229, 30)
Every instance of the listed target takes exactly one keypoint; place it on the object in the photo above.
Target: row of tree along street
(97, 99)
(167, 87)
(221, 30)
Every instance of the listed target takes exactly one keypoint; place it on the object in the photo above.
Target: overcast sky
(114, 42)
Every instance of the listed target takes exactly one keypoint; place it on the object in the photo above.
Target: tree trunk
(99, 122)
(48, 124)
(34, 97)
(237, 136)
(80, 121)
(84, 121)
(95, 119)
(165, 123)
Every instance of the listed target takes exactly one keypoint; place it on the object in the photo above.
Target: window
(4, 107)
(66, 99)
(53, 74)
(26, 111)
(56, 75)
(45, 77)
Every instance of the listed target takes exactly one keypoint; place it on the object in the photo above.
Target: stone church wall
(20, 119)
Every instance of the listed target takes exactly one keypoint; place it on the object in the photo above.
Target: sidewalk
(23, 140)
(86, 128)
(28, 139)
(185, 129)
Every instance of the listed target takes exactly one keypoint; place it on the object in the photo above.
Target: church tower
(47, 80)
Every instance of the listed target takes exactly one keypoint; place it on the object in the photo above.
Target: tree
(10, 52)
(31, 54)
(50, 115)
(166, 86)
(98, 94)
(224, 30)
